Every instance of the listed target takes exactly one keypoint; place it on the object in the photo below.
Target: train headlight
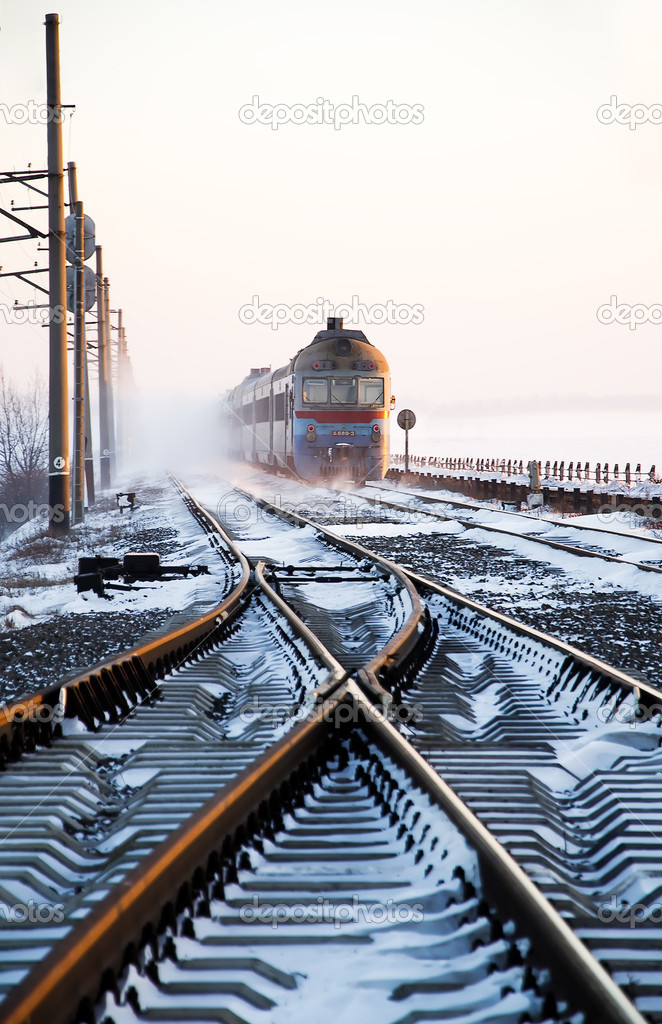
(376, 434)
(311, 433)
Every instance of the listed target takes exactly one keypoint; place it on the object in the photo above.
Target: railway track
(146, 739)
(564, 769)
(547, 745)
(340, 873)
(567, 536)
(145, 828)
(354, 601)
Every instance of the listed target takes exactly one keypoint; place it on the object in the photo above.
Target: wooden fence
(600, 473)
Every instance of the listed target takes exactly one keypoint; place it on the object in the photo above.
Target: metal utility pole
(109, 379)
(104, 438)
(58, 426)
(119, 418)
(89, 451)
(79, 368)
(82, 342)
(123, 388)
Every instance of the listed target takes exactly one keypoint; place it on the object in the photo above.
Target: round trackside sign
(406, 419)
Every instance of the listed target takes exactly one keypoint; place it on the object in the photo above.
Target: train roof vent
(334, 323)
(255, 371)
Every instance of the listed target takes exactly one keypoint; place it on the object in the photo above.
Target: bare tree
(23, 440)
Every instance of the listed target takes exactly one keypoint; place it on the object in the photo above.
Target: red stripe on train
(342, 417)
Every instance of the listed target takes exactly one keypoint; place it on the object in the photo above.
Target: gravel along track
(47, 629)
(621, 626)
(36, 656)
(611, 611)
(547, 767)
(355, 834)
(615, 534)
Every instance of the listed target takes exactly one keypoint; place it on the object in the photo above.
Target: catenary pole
(89, 450)
(109, 379)
(119, 393)
(79, 367)
(104, 438)
(58, 425)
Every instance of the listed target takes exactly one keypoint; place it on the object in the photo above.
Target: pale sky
(510, 214)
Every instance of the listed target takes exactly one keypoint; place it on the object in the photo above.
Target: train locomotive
(323, 416)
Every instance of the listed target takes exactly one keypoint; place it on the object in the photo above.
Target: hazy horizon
(504, 210)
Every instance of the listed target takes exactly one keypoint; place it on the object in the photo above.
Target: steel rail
(73, 970)
(554, 544)
(508, 885)
(337, 673)
(94, 952)
(474, 506)
(407, 636)
(107, 685)
(646, 693)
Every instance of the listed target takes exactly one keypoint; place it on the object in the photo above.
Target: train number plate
(342, 433)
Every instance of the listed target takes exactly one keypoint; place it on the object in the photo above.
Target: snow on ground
(643, 488)
(39, 587)
(625, 524)
(367, 530)
(47, 628)
(629, 543)
(348, 515)
(613, 611)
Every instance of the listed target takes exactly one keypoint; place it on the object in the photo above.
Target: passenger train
(324, 415)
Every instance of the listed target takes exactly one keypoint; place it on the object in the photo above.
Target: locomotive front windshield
(371, 391)
(367, 391)
(316, 389)
(343, 390)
